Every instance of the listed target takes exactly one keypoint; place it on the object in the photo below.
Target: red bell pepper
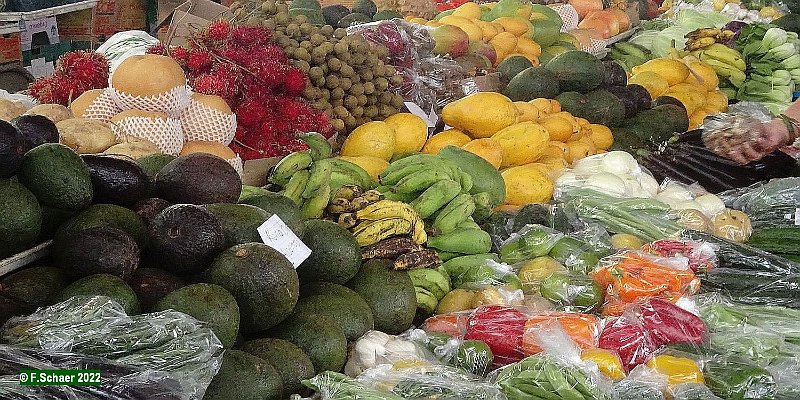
(501, 328)
(627, 336)
(668, 323)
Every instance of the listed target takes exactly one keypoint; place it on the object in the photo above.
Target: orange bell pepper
(581, 328)
(637, 276)
(450, 324)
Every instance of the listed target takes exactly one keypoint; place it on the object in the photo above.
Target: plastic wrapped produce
(167, 341)
(687, 160)
(741, 257)
(331, 385)
(501, 328)
(644, 218)
(631, 276)
(376, 348)
(572, 292)
(642, 383)
(430, 382)
(701, 256)
(615, 173)
(735, 378)
(118, 381)
(543, 376)
(768, 204)
(531, 242)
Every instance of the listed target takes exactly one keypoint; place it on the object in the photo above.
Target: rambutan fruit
(180, 54)
(158, 48)
(89, 67)
(250, 113)
(199, 60)
(218, 30)
(294, 82)
(250, 36)
(208, 84)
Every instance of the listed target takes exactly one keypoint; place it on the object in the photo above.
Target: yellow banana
(725, 54)
(419, 235)
(699, 43)
(703, 32)
(370, 232)
(387, 209)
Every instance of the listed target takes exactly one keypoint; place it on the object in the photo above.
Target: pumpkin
(522, 143)
(526, 184)
(584, 7)
(147, 75)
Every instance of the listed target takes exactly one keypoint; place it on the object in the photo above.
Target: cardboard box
(187, 18)
(10, 48)
(76, 25)
(37, 32)
(106, 19)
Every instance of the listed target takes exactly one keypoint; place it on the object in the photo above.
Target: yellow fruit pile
(507, 35)
(531, 143)
(371, 146)
(689, 80)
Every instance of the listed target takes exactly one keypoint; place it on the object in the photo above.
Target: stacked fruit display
(347, 76)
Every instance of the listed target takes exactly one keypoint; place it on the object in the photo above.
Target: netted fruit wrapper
(172, 102)
(200, 122)
(167, 341)
(103, 108)
(167, 134)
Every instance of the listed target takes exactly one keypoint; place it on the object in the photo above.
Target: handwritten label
(274, 233)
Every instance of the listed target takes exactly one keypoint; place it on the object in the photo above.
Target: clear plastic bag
(775, 203)
(700, 255)
(530, 242)
(725, 132)
(642, 383)
(631, 276)
(615, 173)
(118, 381)
(430, 382)
(331, 385)
(646, 219)
(376, 348)
(167, 341)
(558, 370)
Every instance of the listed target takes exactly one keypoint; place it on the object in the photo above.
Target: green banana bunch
(288, 166)
(483, 206)
(313, 207)
(320, 177)
(430, 286)
(435, 197)
(629, 54)
(464, 241)
(454, 213)
(354, 174)
(420, 180)
(460, 265)
(318, 146)
(722, 54)
(296, 185)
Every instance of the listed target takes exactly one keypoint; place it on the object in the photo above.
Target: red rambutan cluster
(76, 72)
(243, 66)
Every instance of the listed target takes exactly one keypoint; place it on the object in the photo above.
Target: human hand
(753, 143)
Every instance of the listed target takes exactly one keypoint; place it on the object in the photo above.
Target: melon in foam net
(208, 118)
(156, 127)
(150, 82)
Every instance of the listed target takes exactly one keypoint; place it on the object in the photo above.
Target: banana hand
(454, 213)
(318, 146)
(435, 197)
(288, 166)
(296, 185)
(370, 232)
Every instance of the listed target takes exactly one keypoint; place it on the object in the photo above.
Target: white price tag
(274, 233)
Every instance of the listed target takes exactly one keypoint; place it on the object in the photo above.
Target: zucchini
(735, 256)
(777, 240)
(754, 287)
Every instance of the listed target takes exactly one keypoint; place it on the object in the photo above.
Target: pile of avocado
(339, 16)
(163, 233)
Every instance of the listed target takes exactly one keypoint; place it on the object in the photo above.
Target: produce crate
(10, 47)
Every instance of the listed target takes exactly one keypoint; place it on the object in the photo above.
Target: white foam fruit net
(172, 102)
(165, 133)
(103, 108)
(237, 164)
(201, 122)
(571, 19)
(568, 14)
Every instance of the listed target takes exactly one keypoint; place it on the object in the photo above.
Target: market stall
(409, 199)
